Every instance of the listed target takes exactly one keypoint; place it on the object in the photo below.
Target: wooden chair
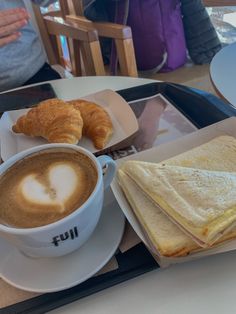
(82, 41)
(72, 11)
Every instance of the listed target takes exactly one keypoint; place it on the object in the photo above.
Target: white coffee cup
(69, 233)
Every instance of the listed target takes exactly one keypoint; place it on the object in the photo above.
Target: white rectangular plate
(165, 151)
(124, 122)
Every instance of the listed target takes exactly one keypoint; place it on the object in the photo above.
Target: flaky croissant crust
(54, 120)
(97, 122)
(64, 122)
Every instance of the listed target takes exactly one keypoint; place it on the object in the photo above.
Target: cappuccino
(45, 187)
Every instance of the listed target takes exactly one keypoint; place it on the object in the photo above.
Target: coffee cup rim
(12, 160)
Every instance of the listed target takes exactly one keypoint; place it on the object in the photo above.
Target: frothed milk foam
(45, 187)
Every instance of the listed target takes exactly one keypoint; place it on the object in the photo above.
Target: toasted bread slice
(200, 197)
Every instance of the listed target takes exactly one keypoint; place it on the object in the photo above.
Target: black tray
(202, 109)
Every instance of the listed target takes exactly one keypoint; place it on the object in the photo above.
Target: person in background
(22, 58)
(201, 37)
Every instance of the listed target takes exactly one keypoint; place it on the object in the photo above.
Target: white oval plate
(123, 119)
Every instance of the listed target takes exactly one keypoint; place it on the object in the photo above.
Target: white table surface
(223, 72)
(81, 86)
(204, 286)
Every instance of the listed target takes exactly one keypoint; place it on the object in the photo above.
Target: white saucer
(54, 274)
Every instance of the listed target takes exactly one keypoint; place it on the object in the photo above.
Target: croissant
(97, 122)
(52, 119)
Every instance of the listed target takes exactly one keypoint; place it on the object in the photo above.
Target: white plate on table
(163, 152)
(54, 274)
(124, 122)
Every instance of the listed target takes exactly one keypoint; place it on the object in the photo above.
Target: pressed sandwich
(196, 190)
(164, 237)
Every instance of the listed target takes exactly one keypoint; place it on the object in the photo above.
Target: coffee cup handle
(108, 163)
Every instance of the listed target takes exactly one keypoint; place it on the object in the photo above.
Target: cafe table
(222, 72)
(206, 285)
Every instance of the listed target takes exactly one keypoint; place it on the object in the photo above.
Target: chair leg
(126, 57)
(92, 58)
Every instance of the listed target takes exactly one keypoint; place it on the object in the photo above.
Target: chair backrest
(85, 57)
(73, 11)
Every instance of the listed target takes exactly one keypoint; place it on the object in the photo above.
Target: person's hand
(11, 21)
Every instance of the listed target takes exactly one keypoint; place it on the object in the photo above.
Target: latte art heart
(57, 186)
(45, 187)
